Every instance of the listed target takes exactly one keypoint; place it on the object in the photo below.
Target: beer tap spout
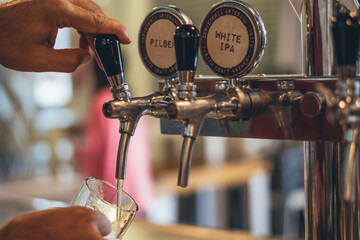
(186, 39)
(185, 161)
(107, 48)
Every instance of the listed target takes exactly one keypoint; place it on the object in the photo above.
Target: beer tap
(124, 107)
(346, 38)
(186, 39)
(109, 53)
(224, 104)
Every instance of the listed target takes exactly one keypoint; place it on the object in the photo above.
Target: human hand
(29, 29)
(72, 223)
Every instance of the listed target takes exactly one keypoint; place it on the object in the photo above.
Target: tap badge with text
(232, 39)
(156, 44)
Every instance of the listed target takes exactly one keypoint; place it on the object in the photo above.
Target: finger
(90, 22)
(91, 40)
(63, 60)
(83, 43)
(89, 5)
(103, 224)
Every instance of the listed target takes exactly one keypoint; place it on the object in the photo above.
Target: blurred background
(43, 119)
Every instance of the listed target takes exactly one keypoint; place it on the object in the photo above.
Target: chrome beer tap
(109, 53)
(125, 108)
(346, 39)
(186, 39)
(224, 104)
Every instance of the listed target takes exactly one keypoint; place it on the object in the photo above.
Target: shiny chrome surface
(186, 89)
(322, 188)
(318, 128)
(318, 49)
(116, 80)
(122, 155)
(185, 161)
(327, 215)
(232, 104)
(129, 112)
(186, 77)
(313, 104)
(350, 162)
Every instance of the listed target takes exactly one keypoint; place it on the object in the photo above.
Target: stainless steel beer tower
(322, 159)
(328, 214)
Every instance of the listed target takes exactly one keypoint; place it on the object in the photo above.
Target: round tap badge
(232, 39)
(156, 44)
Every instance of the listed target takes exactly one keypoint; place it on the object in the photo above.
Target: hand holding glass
(100, 195)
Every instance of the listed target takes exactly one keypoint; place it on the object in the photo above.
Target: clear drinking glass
(100, 195)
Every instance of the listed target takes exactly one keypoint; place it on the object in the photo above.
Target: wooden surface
(218, 176)
(61, 188)
(143, 230)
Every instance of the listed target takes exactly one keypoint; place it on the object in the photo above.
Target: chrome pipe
(350, 160)
(322, 159)
(185, 161)
(322, 190)
(122, 155)
(317, 44)
(327, 215)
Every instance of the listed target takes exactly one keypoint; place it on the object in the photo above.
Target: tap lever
(108, 50)
(186, 39)
(346, 37)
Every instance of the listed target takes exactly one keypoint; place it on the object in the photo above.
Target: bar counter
(140, 229)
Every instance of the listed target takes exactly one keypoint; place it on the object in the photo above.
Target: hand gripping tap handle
(108, 50)
(186, 39)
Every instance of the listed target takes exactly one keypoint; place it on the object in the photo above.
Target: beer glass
(100, 195)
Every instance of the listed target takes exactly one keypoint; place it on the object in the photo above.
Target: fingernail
(127, 36)
(103, 223)
(129, 40)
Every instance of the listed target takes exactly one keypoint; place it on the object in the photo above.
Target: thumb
(103, 223)
(63, 60)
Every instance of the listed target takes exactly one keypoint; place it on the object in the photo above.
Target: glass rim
(89, 179)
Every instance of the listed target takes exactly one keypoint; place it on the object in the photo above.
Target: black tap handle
(107, 47)
(186, 40)
(346, 37)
